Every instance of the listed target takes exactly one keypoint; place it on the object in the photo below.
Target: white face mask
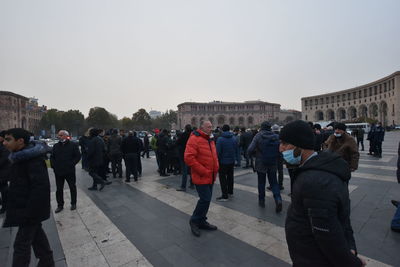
(337, 135)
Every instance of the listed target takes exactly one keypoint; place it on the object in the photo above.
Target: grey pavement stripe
(383, 159)
(392, 153)
(384, 168)
(90, 239)
(253, 231)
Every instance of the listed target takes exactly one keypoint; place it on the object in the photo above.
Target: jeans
(71, 180)
(396, 219)
(131, 165)
(184, 169)
(272, 179)
(226, 179)
(32, 236)
(200, 212)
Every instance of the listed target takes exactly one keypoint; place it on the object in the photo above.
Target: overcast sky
(127, 54)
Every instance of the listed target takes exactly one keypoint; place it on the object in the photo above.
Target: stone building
(379, 100)
(243, 114)
(19, 111)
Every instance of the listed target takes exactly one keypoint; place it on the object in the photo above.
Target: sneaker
(194, 228)
(207, 226)
(58, 209)
(73, 207)
(181, 189)
(221, 199)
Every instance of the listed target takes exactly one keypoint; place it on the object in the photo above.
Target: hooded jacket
(255, 148)
(29, 192)
(318, 229)
(226, 148)
(201, 157)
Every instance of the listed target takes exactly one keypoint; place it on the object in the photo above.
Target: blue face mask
(337, 135)
(289, 157)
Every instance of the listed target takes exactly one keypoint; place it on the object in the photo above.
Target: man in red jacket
(201, 157)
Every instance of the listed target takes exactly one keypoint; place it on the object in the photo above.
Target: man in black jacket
(63, 159)
(318, 229)
(28, 199)
(95, 157)
(181, 143)
(131, 148)
(162, 148)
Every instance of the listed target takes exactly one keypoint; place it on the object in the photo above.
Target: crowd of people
(319, 162)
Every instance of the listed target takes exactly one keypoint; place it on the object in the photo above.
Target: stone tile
(178, 257)
(120, 253)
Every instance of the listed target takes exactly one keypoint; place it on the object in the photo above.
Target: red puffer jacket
(201, 157)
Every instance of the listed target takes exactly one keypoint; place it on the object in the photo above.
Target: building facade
(17, 111)
(243, 114)
(378, 100)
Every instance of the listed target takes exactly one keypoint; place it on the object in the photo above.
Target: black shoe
(2, 210)
(181, 189)
(278, 207)
(58, 209)
(261, 203)
(195, 229)
(281, 187)
(108, 183)
(135, 179)
(221, 199)
(191, 186)
(73, 207)
(395, 203)
(127, 180)
(207, 226)
(269, 188)
(93, 188)
(165, 175)
(102, 186)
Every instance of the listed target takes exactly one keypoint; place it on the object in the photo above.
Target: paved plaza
(147, 223)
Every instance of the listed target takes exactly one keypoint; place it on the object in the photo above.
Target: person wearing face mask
(318, 229)
(345, 145)
(63, 159)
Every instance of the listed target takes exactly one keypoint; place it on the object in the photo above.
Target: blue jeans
(396, 219)
(273, 182)
(200, 212)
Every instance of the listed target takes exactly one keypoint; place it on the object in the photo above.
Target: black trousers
(360, 141)
(163, 162)
(60, 180)
(4, 194)
(131, 165)
(139, 165)
(378, 148)
(226, 179)
(116, 164)
(32, 236)
(95, 173)
(146, 152)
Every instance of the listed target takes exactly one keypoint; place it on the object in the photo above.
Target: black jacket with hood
(318, 229)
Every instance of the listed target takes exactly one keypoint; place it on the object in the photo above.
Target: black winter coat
(398, 165)
(131, 144)
(182, 141)
(318, 229)
(29, 192)
(96, 152)
(64, 157)
(162, 143)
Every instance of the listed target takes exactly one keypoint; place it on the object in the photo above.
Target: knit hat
(226, 128)
(340, 126)
(266, 126)
(298, 133)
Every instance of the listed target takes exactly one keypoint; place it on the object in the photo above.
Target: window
(375, 90)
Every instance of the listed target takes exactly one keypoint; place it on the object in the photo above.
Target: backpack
(269, 147)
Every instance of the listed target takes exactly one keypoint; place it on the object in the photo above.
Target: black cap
(298, 133)
(340, 126)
